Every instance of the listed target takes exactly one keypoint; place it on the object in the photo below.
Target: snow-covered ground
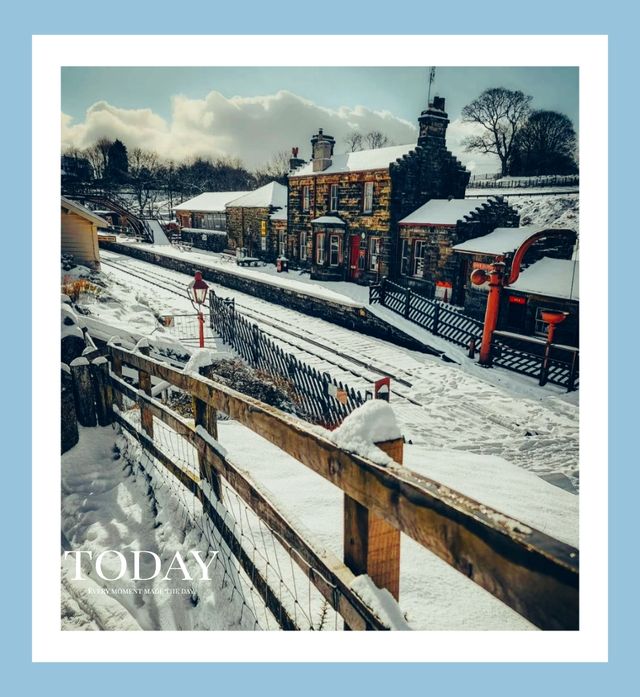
(494, 440)
(108, 504)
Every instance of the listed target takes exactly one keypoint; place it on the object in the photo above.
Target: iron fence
(512, 352)
(319, 398)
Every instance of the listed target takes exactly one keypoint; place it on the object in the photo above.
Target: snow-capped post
(407, 302)
(144, 384)
(83, 391)
(102, 390)
(371, 545)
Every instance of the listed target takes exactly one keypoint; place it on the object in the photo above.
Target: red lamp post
(495, 278)
(198, 294)
(553, 319)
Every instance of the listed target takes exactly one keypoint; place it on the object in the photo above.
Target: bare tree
(276, 169)
(376, 139)
(144, 171)
(354, 141)
(104, 145)
(501, 113)
(96, 159)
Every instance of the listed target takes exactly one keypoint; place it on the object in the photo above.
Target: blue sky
(171, 109)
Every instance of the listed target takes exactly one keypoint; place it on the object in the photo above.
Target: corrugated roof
(271, 194)
(553, 278)
(210, 201)
(361, 160)
(443, 211)
(84, 212)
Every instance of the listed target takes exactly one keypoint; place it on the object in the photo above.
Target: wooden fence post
(69, 422)
(102, 390)
(407, 302)
(383, 291)
(371, 545)
(83, 391)
(206, 416)
(144, 383)
(116, 368)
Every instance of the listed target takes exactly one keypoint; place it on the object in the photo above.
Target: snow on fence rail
(529, 571)
(320, 398)
(451, 324)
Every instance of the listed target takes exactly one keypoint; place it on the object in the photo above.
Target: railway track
(321, 355)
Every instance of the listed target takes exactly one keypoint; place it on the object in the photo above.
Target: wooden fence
(532, 573)
(508, 350)
(320, 398)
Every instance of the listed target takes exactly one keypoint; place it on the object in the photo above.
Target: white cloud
(251, 128)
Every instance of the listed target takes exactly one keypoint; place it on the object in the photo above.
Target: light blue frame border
(287, 17)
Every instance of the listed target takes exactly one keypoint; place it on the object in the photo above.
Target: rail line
(285, 335)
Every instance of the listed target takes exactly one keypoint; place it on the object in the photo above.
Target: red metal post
(493, 308)
(201, 328)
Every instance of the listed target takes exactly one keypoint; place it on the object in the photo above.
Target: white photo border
(589, 54)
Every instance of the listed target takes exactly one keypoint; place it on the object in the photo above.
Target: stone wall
(244, 226)
(202, 239)
(356, 318)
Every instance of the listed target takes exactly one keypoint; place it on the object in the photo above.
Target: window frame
(320, 257)
(418, 259)
(374, 249)
(338, 238)
(333, 198)
(303, 245)
(306, 197)
(367, 194)
(405, 256)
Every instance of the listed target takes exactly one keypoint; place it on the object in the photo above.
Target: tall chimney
(433, 123)
(322, 149)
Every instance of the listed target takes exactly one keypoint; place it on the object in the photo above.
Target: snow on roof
(554, 278)
(279, 215)
(443, 211)
(328, 220)
(84, 212)
(502, 240)
(361, 160)
(210, 201)
(271, 194)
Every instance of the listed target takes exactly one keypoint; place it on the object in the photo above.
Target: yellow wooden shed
(79, 233)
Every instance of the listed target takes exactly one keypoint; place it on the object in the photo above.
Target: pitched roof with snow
(503, 240)
(359, 161)
(279, 214)
(328, 220)
(210, 201)
(271, 194)
(553, 278)
(444, 211)
(84, 212)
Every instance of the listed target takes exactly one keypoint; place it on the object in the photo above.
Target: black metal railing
(319, 398)
(524, 355)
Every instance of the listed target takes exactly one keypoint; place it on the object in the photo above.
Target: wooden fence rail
(531, 572)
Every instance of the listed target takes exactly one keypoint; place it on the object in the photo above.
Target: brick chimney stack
(433, 122)
(322, 149)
